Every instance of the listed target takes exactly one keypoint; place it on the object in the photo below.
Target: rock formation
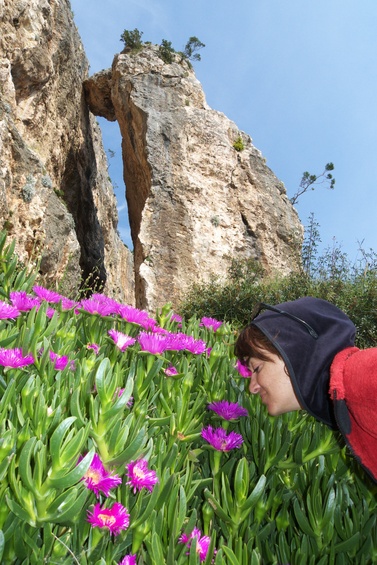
(195, 201)
(55, 195)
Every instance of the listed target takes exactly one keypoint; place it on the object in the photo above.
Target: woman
(302, 356)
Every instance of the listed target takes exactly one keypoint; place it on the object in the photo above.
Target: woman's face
(270, 380)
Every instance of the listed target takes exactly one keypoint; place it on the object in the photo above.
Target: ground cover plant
(127, 438)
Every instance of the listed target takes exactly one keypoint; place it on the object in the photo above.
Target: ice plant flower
(98, 479)
(95, 306)
(202, 543)
(243, 370)
(227, 410)
(14, 358)
(115, 518)
(128, 560)
(153, 343)
(179, 341)
(121, 340)
(140, 476)
(218, 438)
(8, 311)
(48, 295)
(94, 347)
(61, 361)
(23, 301)
(136, 316)
(68, 304)
(176, 318)
(170, 371)
(211, 323)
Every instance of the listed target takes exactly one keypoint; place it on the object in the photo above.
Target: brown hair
(253, 343)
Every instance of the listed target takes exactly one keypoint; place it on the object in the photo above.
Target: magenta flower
(153, 343)
(202, 543)
(98, 479)
(219, 439)
(228, 410)
(128, 560)
(48, 295)
(50, 312)
(8, 311)
(180, 341)
(211, 323)
(121, 340)
(96, 306)
(61, 361)
(176, 318)
(94, 347)
(170, 371)
(140, 476)
(115, 518)
(243, 370)
(68, 304)
(23, 301)
(14, 358)
(136, 316)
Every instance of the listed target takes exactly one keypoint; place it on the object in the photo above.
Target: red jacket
(353, 389)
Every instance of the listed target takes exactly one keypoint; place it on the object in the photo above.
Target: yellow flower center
(139, 473)
(94, 475)
(107, 520)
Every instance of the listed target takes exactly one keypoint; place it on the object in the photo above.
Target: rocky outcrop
(55, 195)
(195, 202)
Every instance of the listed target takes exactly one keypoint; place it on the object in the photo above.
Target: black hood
(307, 358)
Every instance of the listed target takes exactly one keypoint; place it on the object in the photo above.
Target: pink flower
(243, 370)
(219, 439)
(136, 316)
(140, 476)
(228, 410)
(50, 312)
(94, 347)
(154, 343)
(211, 323)
(61, 361)
(23, 301)
(170, 371)
(102, 307)
(98, 479)
(176, 318)
(121, 340)
(8, 311)
(128, 560)
(180, 341)
(68, 304)
(48, 295)
(14, 358)
(202, 543)
(115, 518)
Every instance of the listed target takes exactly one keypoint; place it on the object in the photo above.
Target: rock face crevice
(195, 202)
(56, 198)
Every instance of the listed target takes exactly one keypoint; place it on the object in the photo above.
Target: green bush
(289, 494)
(239, 144)
(132, 39)
(166, 51)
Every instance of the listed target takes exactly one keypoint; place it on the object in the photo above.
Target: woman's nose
(254, 387)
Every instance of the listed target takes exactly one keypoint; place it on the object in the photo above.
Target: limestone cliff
(194, 201)
(55, 195)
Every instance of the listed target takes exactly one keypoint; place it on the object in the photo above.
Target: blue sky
(299, 77)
